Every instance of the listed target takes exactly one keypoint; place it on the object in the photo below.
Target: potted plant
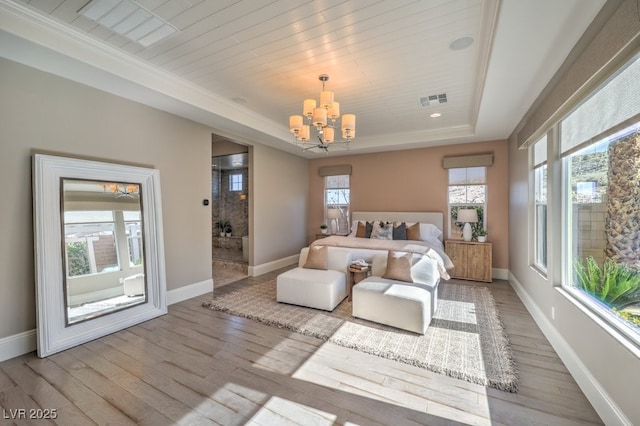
(222, 226)
(481, 235)
(324, 228)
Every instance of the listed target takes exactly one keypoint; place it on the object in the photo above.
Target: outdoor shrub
(615, 284)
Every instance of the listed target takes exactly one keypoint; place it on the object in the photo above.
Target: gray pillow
(400, 232)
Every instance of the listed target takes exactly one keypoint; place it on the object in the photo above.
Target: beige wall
(278, 204)
(43, 113)
(414, 180)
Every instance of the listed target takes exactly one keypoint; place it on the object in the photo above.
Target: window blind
(614, 104)
(458, 162)
(335, 170)
(540, 151)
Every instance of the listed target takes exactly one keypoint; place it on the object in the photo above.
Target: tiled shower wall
(230, 205)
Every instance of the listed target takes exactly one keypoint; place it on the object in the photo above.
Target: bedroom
(61, 116)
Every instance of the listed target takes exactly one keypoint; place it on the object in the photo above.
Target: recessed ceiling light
(461, 43)
(435, 115)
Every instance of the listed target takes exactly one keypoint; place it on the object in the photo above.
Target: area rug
(466, 339)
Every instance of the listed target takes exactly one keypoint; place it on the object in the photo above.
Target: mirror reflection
(103, 248)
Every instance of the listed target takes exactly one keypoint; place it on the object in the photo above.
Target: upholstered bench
(402, 304)
(315, 286)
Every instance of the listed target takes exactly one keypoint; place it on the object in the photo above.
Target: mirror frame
(53, 334)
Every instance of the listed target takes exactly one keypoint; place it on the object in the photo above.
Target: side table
(355, 276)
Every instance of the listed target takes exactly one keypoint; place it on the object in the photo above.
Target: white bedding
(367, 248)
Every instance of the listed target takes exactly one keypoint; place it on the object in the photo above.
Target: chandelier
(122, 190)
(323, 118)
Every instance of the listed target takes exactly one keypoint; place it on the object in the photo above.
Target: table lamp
(333, 215)
(467, 216)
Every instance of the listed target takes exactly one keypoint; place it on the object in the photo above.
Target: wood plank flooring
(196, 367)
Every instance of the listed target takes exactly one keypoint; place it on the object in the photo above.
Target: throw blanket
(429, 249)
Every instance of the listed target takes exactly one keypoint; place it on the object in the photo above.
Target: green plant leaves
(614, 284)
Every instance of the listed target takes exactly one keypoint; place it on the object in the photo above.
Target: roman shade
(458, 162)
(335, 170)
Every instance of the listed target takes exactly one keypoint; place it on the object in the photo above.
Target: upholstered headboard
(435, 218)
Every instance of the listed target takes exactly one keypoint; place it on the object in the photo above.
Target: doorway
(229, 211)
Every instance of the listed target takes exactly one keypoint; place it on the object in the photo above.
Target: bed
(429, 243)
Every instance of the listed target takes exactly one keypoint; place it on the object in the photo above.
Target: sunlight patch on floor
(283, 411)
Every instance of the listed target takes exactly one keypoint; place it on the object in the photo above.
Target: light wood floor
(196, 366)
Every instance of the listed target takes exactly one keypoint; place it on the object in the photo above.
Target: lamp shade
(333, 213)
(334, 111)
(326, 99)
(305, 133)
(320, 117)
(295, 123)
(467, 215)
(328, 135)
(308, 107)
(348, 122)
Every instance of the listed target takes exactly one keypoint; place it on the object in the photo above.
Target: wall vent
(433, 100)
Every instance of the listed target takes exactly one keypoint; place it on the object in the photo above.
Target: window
(337, 199)
(133, 230)
(235, 182)
(540, 207)
(90, 242)
(600, 149)
(467, 190)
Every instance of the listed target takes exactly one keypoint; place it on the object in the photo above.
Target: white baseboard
(189, 291)
(25, 342)
(18, 344)
(254, 271)
(606, 408)
(500, 274)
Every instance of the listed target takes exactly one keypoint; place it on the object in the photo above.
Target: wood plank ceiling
(264, 57)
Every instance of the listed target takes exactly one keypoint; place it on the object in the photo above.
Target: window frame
(344, 207)
(453, 207)
(539, 165)
(561, 229)
(236, 182)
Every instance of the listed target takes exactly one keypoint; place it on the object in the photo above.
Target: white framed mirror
(99, 249)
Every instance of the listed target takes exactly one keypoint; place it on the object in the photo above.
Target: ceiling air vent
(433, 100)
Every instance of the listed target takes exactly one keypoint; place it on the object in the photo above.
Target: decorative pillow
(428, 231)
(382, 231)
(398, 266)
(362, 230)
(400, 231)
(353, 229)
(318, 258)
(413, 231)
(368, 229)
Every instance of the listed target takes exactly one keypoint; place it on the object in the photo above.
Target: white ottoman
(409, 306)
(315, 288)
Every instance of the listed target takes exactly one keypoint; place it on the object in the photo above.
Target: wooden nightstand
(355, 276)
(471, 259)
